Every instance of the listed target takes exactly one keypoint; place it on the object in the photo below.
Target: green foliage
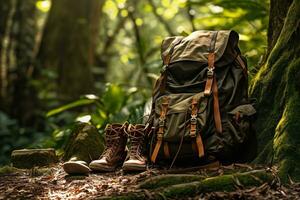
(248, 17)
(115, 105)
(14, 136)
(74, 104)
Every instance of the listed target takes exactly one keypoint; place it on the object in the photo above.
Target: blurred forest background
(64, 61)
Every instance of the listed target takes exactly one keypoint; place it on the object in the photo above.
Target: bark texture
(6, 12)
(278, 11)
(17, 46)
(277, 89)
(68, 44)
(24, 101)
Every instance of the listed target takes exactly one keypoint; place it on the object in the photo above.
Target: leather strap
(213, 41)
(200, 146)
(237, 117)
(217, 115)
(211, 67)
(197, 144)
(156, 150)
(210, 74)
(160, 129)
(242, 64)
(166, 150)
(211, 83)
(193, 127)
(167, 58)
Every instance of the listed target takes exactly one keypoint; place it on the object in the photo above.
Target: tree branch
(191, 15)
(161, 19)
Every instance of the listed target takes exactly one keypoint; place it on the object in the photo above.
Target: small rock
(124, 181)
(29, 158)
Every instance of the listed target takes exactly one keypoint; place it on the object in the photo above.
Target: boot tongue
(112, 141)
(136, 140)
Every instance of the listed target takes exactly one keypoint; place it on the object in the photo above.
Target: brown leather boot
(136, 161)
(114, 153)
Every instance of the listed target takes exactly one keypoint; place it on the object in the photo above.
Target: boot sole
(103, 168)
(75, 168)
(131, 167)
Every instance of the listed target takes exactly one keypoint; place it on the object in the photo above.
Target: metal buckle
(161, 122)
(193, 119)
(210, 72)
(193, 134)
(159, 136)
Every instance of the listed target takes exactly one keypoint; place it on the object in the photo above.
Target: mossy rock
(29, 158)
(8, 170)
(85, 143)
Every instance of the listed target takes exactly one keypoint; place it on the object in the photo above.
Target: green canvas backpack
(200, 105)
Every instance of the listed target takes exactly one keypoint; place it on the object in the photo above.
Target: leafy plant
(115, 105)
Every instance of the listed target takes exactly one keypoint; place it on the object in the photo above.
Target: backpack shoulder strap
(242, 64)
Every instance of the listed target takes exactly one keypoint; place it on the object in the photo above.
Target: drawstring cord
(181, 141)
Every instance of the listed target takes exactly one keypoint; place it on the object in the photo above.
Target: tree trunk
(278, 11)
(24, 101)
(6, 12)
(68, 44)
(277, 89)
(17, 36)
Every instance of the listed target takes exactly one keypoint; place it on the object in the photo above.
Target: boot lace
(112, 142)
(136, 141)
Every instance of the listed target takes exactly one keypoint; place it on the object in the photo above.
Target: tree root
(167, 180)
(171, 189)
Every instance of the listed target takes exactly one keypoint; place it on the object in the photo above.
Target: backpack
(200, 105)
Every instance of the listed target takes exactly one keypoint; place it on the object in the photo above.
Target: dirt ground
(54, 183)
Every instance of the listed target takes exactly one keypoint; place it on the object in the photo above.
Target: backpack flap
(178, 116)
(196, 47)
(177, 121)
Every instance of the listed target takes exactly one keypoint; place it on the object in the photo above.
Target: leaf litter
(57, 185)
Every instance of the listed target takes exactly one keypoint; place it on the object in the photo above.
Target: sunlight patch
(43, 6)
(84, 119)
(215, 9)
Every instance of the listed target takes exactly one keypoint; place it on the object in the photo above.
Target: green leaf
(80, 102)
(113, 99)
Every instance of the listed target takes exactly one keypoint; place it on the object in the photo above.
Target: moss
(166, 180)
(289, 170)
(85, 143)
(218, 183)
(287, 138)
(35, 171)
(270, 101)
(276, 86)
(8, 170)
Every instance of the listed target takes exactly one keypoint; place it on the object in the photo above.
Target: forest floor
(54, 183)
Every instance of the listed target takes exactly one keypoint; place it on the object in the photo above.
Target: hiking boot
(114, 153)
(136, 161)
(76, 166)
